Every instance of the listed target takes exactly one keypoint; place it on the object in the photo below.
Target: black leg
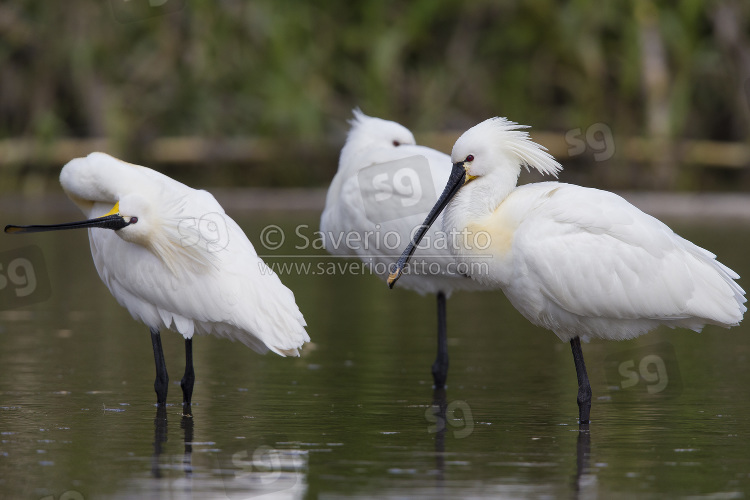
(584, 388)
(162, 379)
(440, 366)
(189, 378)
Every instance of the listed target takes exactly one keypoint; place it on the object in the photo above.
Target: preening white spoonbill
(387, 202)
(175, 260)
(581, 262)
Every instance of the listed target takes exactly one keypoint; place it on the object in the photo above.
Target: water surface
(356, 415)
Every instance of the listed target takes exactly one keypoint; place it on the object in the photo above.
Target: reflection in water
(160, 436)
(47, 433)
(266, 471)
(439, 406)
(584, 483)
(246, 473)
(186, 424)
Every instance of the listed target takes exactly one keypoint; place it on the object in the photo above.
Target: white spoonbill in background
(172, 257)
(581, 262)
(390, 202)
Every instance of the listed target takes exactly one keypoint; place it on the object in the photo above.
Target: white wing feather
(235, 297)
(586, 262)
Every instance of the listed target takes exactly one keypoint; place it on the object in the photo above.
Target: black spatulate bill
(455, 181)
(109, 222)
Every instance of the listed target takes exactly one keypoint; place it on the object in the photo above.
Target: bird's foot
(187, 410)
(440, 373)
(160, 387)
(187, 391)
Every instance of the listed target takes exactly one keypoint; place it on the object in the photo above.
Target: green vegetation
(291, 71)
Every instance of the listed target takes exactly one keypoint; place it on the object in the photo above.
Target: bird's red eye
(396, 143)
(133, 220)
(469, 158)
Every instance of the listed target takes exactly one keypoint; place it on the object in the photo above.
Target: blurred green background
(638, 94)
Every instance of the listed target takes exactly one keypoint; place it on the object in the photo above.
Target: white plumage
(174, 259)
(171, 270)
(374, 141)
(581, 262)
(350, 209)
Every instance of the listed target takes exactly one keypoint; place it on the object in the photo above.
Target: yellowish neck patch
(115, 210)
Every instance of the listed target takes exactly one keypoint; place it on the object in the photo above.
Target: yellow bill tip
(393, 277)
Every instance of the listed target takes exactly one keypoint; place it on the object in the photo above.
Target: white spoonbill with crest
(578, 261)
(366, 200)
